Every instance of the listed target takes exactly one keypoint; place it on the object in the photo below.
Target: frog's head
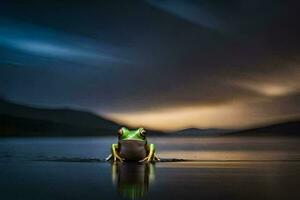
(137, 134)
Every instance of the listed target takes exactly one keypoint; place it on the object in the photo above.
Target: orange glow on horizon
(230, 116)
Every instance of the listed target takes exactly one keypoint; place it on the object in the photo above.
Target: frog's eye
(120, 132)
(143, 133)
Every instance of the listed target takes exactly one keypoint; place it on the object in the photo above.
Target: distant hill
(291, 128)
(200, 132)
(21, 120)
(26, 121)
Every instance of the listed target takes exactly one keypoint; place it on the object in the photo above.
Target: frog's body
(132, 146)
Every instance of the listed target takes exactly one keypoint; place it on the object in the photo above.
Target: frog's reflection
(132, 179)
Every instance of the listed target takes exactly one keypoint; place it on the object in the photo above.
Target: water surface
(217, 168)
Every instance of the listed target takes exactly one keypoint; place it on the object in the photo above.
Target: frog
(132, 146)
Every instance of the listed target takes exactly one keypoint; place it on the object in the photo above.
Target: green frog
(132, 146)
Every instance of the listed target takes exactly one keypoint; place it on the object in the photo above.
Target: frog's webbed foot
(108, 157)
(114, 156)
(151, 155)
(150, 159)
(156, 157)
(147, 159)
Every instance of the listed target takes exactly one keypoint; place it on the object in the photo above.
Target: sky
(161, 64)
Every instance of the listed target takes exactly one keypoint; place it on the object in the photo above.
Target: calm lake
(218, 168)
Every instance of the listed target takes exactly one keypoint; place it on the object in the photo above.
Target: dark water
(218, 168)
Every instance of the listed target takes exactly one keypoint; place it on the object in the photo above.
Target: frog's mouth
(132, 149)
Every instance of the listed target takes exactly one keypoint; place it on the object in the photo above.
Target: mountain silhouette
(23, 120)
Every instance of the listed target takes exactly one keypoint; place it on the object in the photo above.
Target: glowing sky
(162, 64)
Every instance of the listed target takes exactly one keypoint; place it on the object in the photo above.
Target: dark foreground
(247, 168)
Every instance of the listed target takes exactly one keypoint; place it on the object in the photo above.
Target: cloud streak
(189, 11)
(52, 44)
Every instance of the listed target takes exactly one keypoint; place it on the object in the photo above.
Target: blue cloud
(52, 44)
(189, 11)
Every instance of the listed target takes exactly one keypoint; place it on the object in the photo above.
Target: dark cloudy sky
(163, 64)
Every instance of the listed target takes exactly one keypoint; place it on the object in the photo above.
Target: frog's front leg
(151, 154)
(114, 154)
